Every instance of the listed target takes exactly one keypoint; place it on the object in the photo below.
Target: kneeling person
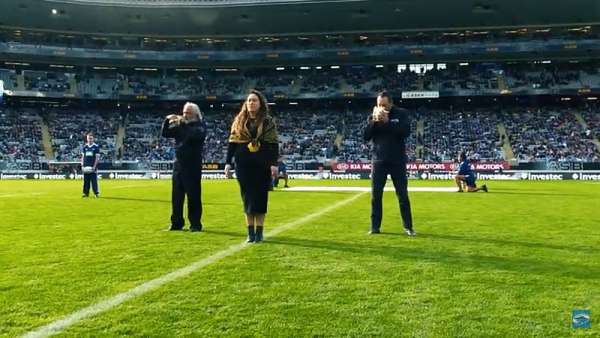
(281, 173)
(466, 176)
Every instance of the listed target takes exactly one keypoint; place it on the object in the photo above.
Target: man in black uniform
(189, 131)
(388, 127)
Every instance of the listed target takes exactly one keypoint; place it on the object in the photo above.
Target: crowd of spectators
(20, 135)
(549, 134)
(447, 133)
(68, 131)
(311, 134)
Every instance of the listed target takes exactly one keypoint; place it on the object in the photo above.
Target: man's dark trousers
(93, 179)
(186, 182)
(379, 173)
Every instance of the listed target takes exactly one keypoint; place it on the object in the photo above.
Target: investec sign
(49, 177)
(506, 177)
(586, 177)
(13, 176)
(543, 177)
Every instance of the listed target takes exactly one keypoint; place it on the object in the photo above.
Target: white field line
(107, 304)
(367, 189)
(130, 186)
(18, 194)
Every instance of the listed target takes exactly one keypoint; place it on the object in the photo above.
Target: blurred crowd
(315, 135)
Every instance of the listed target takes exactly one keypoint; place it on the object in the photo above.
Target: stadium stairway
(502, 85)
(125, 89)
(339, 138)
(421, 131)
(420, 83)
(20, 81)
(46, 140)
(120, 139)
(73, 86)
(584, 124)
(507, 151)
(296, 88)
(345, 87)
(249, 84)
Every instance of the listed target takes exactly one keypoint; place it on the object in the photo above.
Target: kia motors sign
(419, 166)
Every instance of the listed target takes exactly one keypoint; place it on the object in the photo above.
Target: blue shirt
(282, 168)
(465, 169)
(89, 153)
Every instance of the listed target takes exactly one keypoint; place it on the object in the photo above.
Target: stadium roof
(263, 17)
(190, 3)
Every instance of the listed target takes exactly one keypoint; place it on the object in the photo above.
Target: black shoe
(410, 232)
(175, 228)
(97, 195)
(484, 188)
(286, 186)
(251, 235)
(196, 228)
(259, 235)
(374, 232)
(85, 196)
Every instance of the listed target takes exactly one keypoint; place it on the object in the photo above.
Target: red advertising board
(421, 166)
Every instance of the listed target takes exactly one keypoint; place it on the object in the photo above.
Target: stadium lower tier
(516, 134)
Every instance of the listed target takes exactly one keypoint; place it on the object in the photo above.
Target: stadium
(360, 106)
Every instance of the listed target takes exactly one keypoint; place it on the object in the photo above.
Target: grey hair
(195, 109)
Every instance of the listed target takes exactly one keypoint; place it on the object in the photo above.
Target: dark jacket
(265, 157)
(189, 143)
(389, 138)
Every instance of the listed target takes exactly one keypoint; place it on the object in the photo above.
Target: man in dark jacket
(189, 131)
(388, 127)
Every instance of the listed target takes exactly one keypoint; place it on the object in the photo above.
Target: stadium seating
(20, 135)
(143, 141)
(540, 134)
(447, 133)
(294, 82)
(546, 134)
(304, 83)
(68, 130)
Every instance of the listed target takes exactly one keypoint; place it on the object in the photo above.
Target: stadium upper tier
(314, 82)
(36, 46)
(295, 41)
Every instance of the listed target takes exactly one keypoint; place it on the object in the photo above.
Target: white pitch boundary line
(22, 194)
(367, 189)
(107, 304)
(44, 193)
(130, 186)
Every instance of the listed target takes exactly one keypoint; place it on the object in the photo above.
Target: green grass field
(511, 263)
